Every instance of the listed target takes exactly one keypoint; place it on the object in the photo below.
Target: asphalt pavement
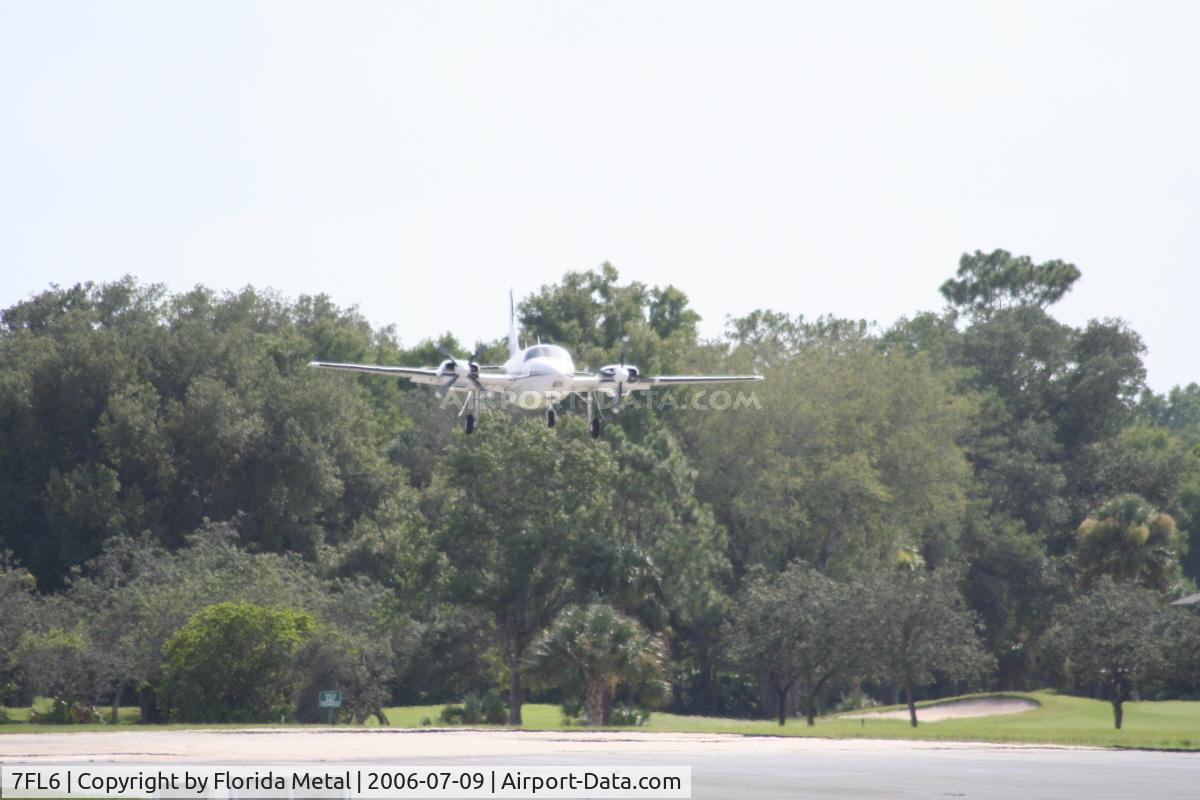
(722, 766)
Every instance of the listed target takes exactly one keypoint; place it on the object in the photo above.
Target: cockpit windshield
(545, 351)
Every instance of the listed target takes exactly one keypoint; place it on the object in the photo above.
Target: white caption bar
(341, 781)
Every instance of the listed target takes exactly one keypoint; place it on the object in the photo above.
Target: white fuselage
(541, 375)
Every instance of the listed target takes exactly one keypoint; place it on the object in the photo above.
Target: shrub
(233, 662)
(472, 710)
(572, 711)
(64, 711)
(624, 715)
(476, 709)
(493, 709)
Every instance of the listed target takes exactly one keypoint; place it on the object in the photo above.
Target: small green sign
(329, 700)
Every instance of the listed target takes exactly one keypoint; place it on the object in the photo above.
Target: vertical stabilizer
(513, 346)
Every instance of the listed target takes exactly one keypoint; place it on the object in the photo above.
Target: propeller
(452, 369)
(620, 375)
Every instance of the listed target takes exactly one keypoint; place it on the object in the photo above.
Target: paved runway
(897, 774)
(722, 766)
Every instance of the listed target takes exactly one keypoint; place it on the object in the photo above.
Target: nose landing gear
(550, 418)
(470, 423)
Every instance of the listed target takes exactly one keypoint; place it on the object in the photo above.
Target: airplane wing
(424, 375)
(414, 374)
(666, 379)
(645, 382)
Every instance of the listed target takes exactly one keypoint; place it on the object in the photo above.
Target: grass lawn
(1058, 720)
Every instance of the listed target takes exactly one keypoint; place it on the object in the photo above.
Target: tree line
(915, 510)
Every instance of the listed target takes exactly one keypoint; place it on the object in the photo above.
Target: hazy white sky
(417, 159)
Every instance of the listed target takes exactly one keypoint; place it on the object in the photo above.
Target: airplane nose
(548, 375)
(549, 370)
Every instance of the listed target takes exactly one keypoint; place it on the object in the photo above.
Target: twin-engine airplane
(537, 377)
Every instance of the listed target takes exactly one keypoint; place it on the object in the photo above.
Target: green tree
(368, 641)
(55, 663)
(1012, 585)
(774, 338)
(592, 650)
(798, 628)
(671, 564)
(1109, 636)
(1144, 459)
(1181, 640)
(1048, 393)
(512, 507)
(123, 408)
(455, 649)
(922, 627)
(1160, 460)
(135, 595)
(988, 282)
(851, 455)
(18, 609)
(1050, 440)
(1178, 410)
(1128, 540)
(234, 662)
(591, 312)
(361, 668)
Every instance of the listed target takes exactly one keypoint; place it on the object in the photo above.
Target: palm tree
(593, 649)
(1130, 541)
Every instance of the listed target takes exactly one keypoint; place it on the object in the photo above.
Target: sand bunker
(955, 709)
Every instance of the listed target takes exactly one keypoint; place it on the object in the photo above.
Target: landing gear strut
(550, 420)
(470, 408)
(592, 415)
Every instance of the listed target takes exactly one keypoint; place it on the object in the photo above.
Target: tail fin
(513, 346)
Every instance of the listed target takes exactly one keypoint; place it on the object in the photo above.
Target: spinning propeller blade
(445, 387)
(472, 372)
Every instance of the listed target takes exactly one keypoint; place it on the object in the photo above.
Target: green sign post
(330, 700)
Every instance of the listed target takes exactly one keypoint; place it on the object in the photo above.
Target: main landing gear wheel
(596, 428)
(550, 420)
(470, 423)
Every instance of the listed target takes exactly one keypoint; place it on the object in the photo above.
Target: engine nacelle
(616, 373)
(451, 367)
